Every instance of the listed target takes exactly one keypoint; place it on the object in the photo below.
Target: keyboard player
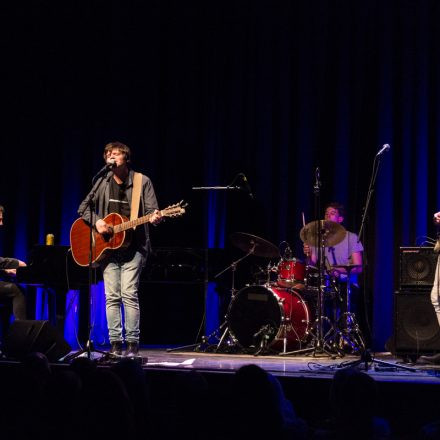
(8, 289)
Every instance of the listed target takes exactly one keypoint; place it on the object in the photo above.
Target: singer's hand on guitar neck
(156, 218)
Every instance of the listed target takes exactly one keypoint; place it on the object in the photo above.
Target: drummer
(347, 252)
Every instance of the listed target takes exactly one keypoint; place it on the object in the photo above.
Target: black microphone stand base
(205, 345)
(366, 359)
(88, 350)
(191, 347)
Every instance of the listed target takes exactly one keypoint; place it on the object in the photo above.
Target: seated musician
(8, 289)
(346, 253)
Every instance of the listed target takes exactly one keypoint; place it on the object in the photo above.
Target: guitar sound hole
(107, 236)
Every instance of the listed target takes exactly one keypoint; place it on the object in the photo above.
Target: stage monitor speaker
(417, 267)
(416, 328)
(28, 336)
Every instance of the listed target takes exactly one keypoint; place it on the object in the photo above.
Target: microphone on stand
(287, 253)
(246, 185)
(317, 178)
(384, 148)
(111, 163)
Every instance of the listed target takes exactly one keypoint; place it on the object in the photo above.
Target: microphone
(264, 328)
(317, 178)
(384, 148)
(287, 253)
(111, 163)
(247, 186)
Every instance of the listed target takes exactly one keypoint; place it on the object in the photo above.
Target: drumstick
(304, 223)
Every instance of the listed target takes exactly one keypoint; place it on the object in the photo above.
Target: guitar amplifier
(417, 267)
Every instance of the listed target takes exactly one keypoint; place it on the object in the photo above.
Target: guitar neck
(132, 223)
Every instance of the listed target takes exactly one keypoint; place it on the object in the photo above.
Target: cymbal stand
(319, 344)
(206, 338)
(233, 267)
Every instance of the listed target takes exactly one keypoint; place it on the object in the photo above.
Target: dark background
(204, 90)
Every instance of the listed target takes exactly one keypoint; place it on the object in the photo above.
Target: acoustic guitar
(118, 238)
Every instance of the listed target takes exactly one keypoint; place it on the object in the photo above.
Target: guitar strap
(136, 196)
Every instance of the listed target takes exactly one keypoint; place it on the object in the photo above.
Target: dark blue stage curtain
(202, 91)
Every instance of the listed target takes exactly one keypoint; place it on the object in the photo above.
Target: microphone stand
(228, 187)
(366, 356)
(233, 266)
(89, 347)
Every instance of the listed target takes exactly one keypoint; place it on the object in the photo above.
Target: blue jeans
(121, 280)
(435, 291)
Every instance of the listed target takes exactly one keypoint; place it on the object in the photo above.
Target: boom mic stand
(89, 347)
(206, 338)
(366, 357)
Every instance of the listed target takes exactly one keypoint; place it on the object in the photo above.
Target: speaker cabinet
(417, 267)
(416, 328)
(29, 336)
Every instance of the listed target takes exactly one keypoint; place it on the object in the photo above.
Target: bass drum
(281, 313)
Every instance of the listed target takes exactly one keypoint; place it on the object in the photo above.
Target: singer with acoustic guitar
(121, 193)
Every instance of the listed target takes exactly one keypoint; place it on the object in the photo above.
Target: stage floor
(384, 368)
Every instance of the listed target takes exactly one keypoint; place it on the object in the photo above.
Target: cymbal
(261, 247)
(332, 232)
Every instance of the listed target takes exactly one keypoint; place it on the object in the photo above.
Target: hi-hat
(332, 233)
(258, 246)
(347, 267)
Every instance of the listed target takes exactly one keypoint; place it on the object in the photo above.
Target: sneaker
(116, 348)
(132, 349)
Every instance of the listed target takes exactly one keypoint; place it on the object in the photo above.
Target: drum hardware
(321, 342)
(350, 338)
(264, 334)
(348, 330)
(319, 234)
(252, 245)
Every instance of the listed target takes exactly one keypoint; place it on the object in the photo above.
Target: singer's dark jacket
(147, 205)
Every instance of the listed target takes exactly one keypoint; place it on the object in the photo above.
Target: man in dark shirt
(8, 289)
(122, 267)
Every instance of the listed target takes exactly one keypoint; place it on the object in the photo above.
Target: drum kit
(286, 315)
